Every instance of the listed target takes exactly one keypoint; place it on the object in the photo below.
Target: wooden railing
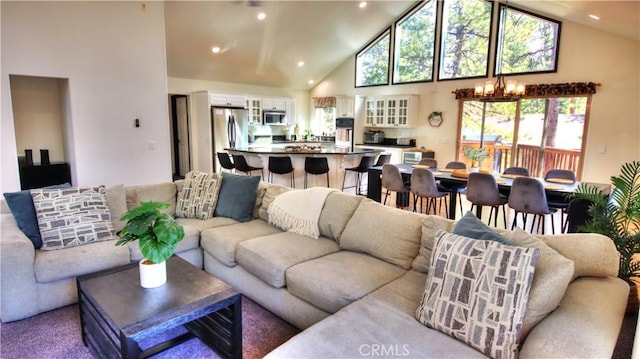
(525, 156)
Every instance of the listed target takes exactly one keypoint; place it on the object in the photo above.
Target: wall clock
(435, 118)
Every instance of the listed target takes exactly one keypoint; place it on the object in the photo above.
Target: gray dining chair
(527, 196)
(392, 181)
(482, 190)
(457, 165)
(423, 185)
(429, 162)
(520, 171)
(559, 202)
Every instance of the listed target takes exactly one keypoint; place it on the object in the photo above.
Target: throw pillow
(237, 196)
(554, 272)
(199, 195)
(117, 198)
(21, 206)
(477, 291)
(471, 226)
(72, 217)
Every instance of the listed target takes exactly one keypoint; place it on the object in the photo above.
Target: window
(414, 44)
(526, 43)
(326, 120)
(464, 46)
(372, 63)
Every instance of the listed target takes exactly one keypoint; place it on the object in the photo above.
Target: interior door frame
(176, 138)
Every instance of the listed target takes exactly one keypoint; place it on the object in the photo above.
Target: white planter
(473, 169)
(152, 274)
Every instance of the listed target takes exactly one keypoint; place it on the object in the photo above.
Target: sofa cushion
(477, 292)
(270, 256)
(335, 280)
(553, 275)
(72, 217)
(387, 233)
(117, 198)
(222, 242)
(237, 196)
(157, 192)
(337, 210)
(21, 205)
(270, 193)
(430, 225)
(50, 266)
(199, 195)
(472, 227)
(191, 240)
(202, 224)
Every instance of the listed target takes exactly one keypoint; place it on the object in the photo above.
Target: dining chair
(281, 165)
(423, 185)
(527, 196)
(456, 165)
(429, 162)
(241, 165)
(383, 158)
(520, 171)
(482, 190)
(360, 170)
(225, 161)
(392, 181)
(558, 201)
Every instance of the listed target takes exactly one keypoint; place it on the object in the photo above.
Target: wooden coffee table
(116, 314)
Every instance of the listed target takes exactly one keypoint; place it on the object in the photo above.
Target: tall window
(464, 46)
(372, 63)
(414, 44)
(526, 42)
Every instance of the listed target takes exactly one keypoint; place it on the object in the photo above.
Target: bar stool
(316, 166)
(281, 165)
(225, 161)
(360, 170)
(241, 165)
(558, 201)
(527, 196)
(482, 190)
(383, 158)
(392, 181)
(423, 185)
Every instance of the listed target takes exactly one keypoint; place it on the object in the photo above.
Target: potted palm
(618, 217)
(157, 234)
(475, 156)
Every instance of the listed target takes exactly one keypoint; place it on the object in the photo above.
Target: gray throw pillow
(472, 227)
(237, 197)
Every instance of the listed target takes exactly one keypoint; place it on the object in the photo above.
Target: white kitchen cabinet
(254, 105)
(227, 100)
(391, 111)
(345, 107)
(274, 104)
(375, 112)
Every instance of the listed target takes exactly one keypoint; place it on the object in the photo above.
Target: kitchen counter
(384, 145)
(279, 150)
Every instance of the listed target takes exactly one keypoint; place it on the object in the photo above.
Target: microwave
(274, 118)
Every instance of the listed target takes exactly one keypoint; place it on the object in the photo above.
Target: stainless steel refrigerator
(230, 129)
(344, 132)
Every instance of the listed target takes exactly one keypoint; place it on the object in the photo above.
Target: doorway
(180, 136)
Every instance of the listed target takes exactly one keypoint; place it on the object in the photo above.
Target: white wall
(586, 55)
(113, 55)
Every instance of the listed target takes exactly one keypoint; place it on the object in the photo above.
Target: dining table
(453, 180)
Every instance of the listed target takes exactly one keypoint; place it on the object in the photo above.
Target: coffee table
(116, 314)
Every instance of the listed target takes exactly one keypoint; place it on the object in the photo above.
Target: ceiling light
(261, 16)
(310, 82)
(363, 4)
(595, 17)
(300, 63)
(215, 49)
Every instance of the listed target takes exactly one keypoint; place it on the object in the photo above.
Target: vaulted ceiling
(322, 34)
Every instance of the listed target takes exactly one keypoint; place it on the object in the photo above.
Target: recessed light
(363, 4)
(310, 82)
(595, 17)
(261, 16)
(300, 63)
(215, 49)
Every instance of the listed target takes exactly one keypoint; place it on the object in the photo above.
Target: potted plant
(618, 217)
(475, 156)
(157, 234)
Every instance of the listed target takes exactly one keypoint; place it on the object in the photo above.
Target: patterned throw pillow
(199, 195)
(477, 291)
(72, 217)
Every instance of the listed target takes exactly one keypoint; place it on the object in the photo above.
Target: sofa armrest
(586, 324)
(18, 292)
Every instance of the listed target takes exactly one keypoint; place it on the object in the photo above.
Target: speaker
(44, 157)
(28, 157)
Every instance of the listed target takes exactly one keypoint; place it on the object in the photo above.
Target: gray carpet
(56, 334)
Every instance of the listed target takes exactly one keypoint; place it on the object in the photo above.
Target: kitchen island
(339, 158)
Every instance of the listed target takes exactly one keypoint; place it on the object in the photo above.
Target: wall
(586, 55)
(114, 58)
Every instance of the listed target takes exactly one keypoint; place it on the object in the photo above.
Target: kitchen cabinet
(345, 107)
(227, 100)
(274, 104)
(391, 111)
(254, 105)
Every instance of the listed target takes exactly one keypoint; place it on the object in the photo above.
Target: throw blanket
(298, 211)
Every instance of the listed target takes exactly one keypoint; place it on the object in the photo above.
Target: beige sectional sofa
(354, 291)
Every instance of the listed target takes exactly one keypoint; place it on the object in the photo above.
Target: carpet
(56, 334)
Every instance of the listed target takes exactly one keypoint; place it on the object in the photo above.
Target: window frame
(498, 42)
(386, 32)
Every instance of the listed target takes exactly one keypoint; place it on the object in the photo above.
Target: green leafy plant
(475, 155)
(617, 216)
(157, 233)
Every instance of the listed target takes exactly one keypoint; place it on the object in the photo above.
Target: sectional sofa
(357, 290)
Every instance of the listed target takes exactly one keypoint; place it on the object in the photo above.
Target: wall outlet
(444, 140)
(602, 149)
(152, 145)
